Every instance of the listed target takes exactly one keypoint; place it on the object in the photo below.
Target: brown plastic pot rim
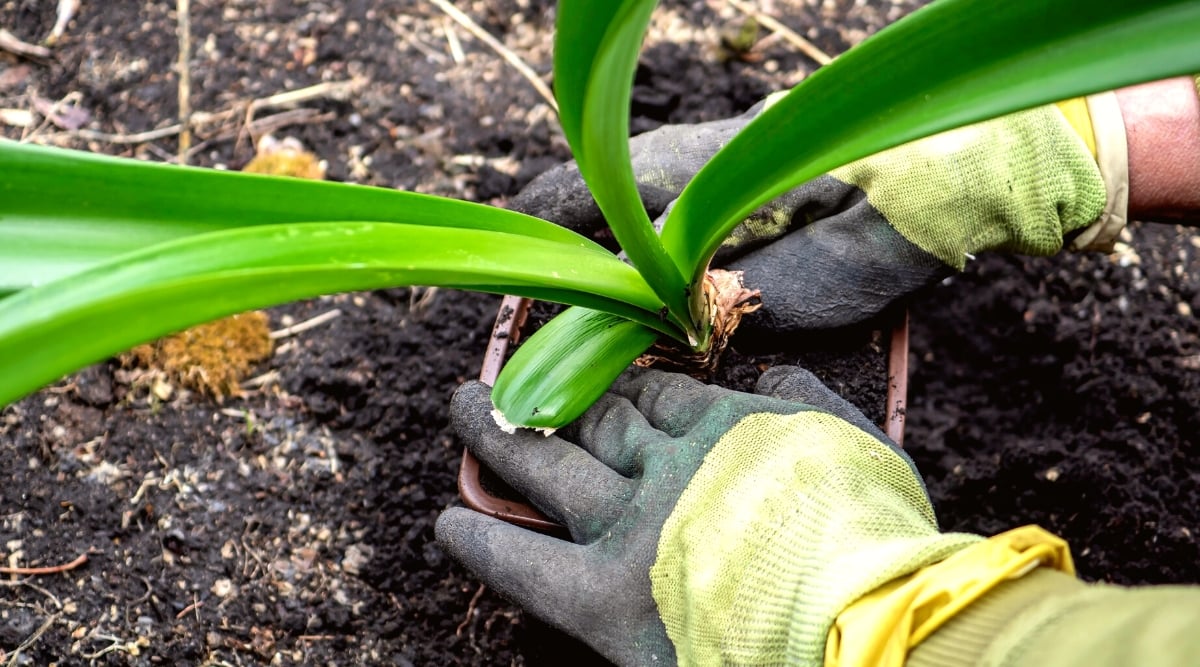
(507, 331)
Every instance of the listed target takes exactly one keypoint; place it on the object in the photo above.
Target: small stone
(94, 386)
(222, 588)
(357, 556)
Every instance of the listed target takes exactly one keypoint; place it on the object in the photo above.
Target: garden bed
(297, 520)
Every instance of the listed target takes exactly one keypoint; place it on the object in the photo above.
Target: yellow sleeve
(1051, 618)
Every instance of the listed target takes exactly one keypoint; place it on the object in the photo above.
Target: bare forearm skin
(1162, 123)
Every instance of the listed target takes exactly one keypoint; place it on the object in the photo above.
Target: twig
(419, 304)
(146, 596)
(301, 327)
(13, 583)
(317, 638)
(183, 11)
(54, 569)
(411, 39)
(16, 117)
(11, 43)
(29, 641)
(456, 51)
(236, 413)
(260, 126)
(267, 125)
(261, 380)
(806, 47)
(66, 11)
(470, 610)
(136, 138)
(194, 606)
(115, 644)
(512, 58)
(334, 89)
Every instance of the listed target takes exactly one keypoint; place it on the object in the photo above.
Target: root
(728, 300)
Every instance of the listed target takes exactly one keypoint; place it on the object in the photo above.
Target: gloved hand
(709, 526)
(842, 247)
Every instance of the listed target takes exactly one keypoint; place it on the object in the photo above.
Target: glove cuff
(880, 627)
(789, 519)
(1112, 156)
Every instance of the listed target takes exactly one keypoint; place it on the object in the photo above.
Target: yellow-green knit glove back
(1018, 183)
(789, 519)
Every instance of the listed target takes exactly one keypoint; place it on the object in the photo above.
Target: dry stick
(16, 117)
(115, 644)
(136, 138)
(66, 11)
(512, 58)
(334, 89)
(32, 639)
(331, 89)
(412, 40)
(194, 606)
(54, 569)
(183, 9)
(317, 638)
(266, 125)
(806, 47)
(456, 51)
(13, 659)
(302, 116)
(260, 380)
(11, 43)
(306, 324)
(470, 610)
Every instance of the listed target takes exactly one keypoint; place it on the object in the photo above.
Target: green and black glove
(712, 527)
(709, 526)
(842, 247)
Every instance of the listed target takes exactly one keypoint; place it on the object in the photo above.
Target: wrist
(1162, 125)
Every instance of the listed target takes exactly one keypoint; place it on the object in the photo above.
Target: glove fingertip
(792, 383)
(472, 398)
(454, 529)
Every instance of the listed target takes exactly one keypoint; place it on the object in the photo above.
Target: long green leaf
(63, 211)
(952, 63)
(48, 331)
(581, 348)
(595, 107)
(578, 31)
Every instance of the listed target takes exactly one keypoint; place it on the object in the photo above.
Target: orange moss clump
(285, 157)
(211, 358)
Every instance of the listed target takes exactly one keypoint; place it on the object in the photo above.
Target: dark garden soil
(294, 524)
